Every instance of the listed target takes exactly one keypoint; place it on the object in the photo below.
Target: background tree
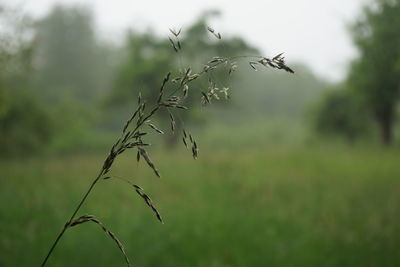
(69, 57)
(340, 114)
(375, 76)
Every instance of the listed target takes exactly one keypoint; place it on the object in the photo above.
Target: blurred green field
(256, 206)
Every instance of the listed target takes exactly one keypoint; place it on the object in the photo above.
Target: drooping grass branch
(172, 95)
(91, 218)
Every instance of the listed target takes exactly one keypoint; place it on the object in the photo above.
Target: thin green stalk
(71, 219)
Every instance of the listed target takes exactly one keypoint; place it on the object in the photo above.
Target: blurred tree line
(62, 85)
(369, 97)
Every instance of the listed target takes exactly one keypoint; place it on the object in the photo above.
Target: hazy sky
(312, 31)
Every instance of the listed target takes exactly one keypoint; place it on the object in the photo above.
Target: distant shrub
(339, 114)
(24, 126)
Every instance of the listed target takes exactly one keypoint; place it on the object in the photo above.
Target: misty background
(301, 167)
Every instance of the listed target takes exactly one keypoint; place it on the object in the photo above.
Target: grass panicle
(134, 131)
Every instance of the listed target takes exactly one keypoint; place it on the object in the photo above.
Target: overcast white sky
(311, 31)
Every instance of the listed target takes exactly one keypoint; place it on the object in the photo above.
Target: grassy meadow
(251, 205)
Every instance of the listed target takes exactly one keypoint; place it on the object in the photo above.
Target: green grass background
(254, 204)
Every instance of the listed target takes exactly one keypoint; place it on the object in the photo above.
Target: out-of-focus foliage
(340, 114)
(375, 75)
(24, 125)
(147, 61)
